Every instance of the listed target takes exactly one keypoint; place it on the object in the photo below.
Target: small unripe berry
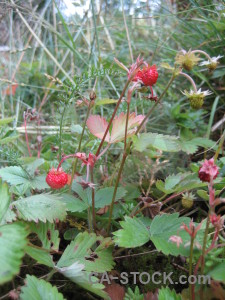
(187, 200)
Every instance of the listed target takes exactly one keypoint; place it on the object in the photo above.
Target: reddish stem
(64, 158)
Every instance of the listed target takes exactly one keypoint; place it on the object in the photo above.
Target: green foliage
(103, 197)
(134, 233)
(169, 143)
(5, 199)
(12, 249)
(47, 234)
(38, 289)
(179, 182)
(90, 253)
(40, 255)
(217, 273)
(136, 295)
(95, 253)
(167, 294)
(16, 175)
(43, 207)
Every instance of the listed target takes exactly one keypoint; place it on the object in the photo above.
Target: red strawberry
(149, 75)
(57, 179)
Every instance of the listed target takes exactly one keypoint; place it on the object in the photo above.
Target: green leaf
(40, 255)
(218, 272)
(163, 227)
(9, 139)
(12, 244)
(73, 204)
(104, 196)
(167, 294)
(17, 176)
(84, 279)
(188, 147)
(76, 128)
(133, 233)
(172, 180)
(39, 183)
(136, 295)
(203, 194)
(14, 175)
(6, 121)
(8, 217)
(43, 207)
(47, 234)
(94, 252)
(33, 164)
(158, 141)
(105, 101)
(4, 200)
(39, 289)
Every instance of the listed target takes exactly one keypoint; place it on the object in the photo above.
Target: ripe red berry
(57, 179)
(208, 170)
(148, 75)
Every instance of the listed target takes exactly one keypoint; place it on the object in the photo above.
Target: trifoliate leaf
(93, 251)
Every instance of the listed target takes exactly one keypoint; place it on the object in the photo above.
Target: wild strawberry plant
(45, 202)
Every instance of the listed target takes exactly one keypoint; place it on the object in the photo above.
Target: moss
(151, 263)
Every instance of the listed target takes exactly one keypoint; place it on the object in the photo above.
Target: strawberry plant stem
(127, 149)
(74, 167)
(191, 286)
(156, 103)
(60, 132)
(126, 126)
(93, 200)
(115, 188)
(191, 80)
(116, 108)
(204, 251)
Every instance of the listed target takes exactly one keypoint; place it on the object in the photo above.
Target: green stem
(89, 220)
(79, 146)
(60, 132)
(191, 286)
(219, 147)
(115, 189)
(125, 153)
(50, 274)
(156, 103)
